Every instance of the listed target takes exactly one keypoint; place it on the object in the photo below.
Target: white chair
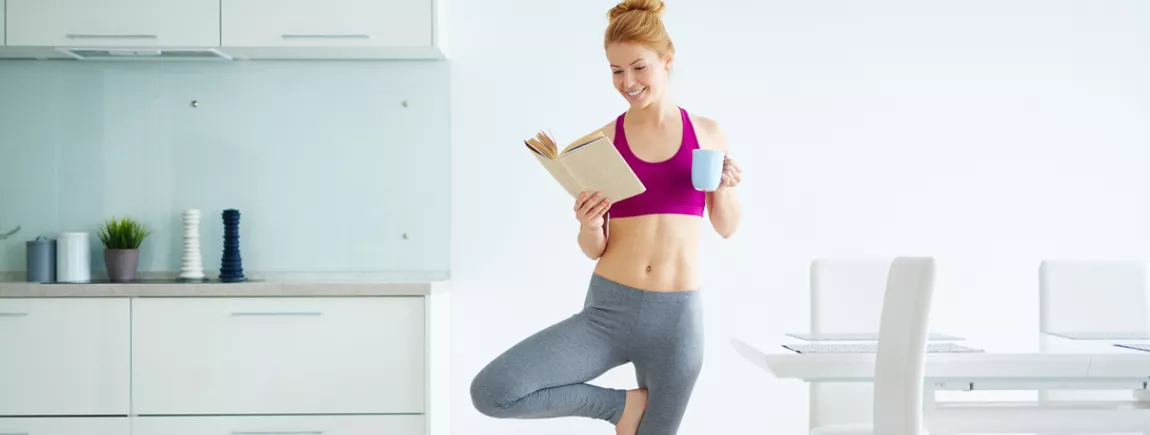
(900, 361)
(846, 296)
(1073, 295)
(1085, 298)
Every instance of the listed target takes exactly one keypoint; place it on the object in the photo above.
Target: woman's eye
(641, 67)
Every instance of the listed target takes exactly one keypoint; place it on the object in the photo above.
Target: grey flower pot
(122, 264)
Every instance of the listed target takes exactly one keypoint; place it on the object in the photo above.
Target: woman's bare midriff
(652, 252)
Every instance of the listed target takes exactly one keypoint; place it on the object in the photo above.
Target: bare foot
(632, 412)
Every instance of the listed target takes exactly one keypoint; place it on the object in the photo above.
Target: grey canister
(42, 260)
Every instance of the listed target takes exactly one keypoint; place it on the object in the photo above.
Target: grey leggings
(546, 374)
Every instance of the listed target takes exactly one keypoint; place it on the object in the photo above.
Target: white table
(1067, 364)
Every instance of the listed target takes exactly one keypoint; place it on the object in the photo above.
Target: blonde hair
(639, 21)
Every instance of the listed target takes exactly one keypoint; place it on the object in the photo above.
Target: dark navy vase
(231, 266)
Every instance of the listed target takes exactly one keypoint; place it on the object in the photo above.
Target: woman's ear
(667, 61)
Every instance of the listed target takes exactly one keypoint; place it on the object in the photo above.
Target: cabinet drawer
(113, 23)
(65, 356)
(281, 425)
(329, 23)
(278, 355)
(66, 426)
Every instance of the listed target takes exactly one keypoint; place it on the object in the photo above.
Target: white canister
(73, 259)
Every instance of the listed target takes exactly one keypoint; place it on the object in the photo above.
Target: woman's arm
(724, 208)
(590, 210)
(593, 241)
(725, 211)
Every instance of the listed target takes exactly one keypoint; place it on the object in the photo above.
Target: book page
(542, 143)
(560, 174)
(598, 166)
(587, 139)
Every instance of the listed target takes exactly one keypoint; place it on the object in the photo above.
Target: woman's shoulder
(609, 130)
(709, 132)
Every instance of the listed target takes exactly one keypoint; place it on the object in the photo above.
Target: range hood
(143, 53)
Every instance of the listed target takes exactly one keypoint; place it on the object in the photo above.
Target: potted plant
(122, 238)
(5, 235)
(9, 234)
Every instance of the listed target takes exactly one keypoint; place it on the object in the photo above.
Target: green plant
(10, 233)
(123, 233)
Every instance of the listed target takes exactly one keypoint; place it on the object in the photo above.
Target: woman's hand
(590, 208)
(731, 173)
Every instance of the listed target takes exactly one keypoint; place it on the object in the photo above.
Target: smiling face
(639, 73)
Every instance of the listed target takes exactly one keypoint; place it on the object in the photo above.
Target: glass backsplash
(335, 166)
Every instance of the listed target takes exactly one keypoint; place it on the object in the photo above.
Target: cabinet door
(66, 426)
(278, 356)
(65, 356)
(282, 425)
(326, 23)
(113, 23)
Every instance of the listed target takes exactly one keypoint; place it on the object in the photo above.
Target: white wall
(990, 134)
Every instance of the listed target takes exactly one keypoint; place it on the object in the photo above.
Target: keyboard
(859, 336)
(1103, 335)
(1145, 347)
(873, 348)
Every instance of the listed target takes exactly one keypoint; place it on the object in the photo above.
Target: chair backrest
(1071, 296)
(1072, 293)
(900, 362)
(846, 295)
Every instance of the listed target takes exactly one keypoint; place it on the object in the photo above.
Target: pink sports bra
(669, 188)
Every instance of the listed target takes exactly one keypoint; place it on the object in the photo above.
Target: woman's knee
(492, 392)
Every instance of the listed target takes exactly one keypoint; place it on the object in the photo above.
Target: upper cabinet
(114, 23)
(326, 23)
(227, 29)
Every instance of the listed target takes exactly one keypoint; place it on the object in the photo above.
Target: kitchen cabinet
(282, 425)
(66, 426)
(329, 23)
(278, 356)
(65, 357)
(223, 29)
(113, 23)
(343, 357)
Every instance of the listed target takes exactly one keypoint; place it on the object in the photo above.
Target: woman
(643, 305)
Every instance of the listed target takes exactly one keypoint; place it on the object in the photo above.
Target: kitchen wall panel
(335, 166)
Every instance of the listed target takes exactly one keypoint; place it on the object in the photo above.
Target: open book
(590, 163)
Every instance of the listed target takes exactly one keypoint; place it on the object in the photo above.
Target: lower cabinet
(286, 425)
(229, 356)
(215, 366)
(65, 357)
(66, 426)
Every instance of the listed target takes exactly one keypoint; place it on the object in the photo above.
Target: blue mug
(707, 169)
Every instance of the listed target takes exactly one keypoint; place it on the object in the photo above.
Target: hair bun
(625, 6)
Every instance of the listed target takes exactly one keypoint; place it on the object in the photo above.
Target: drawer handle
(302, 432)
(280, 313)
(12, 315)
(326, 36)
(111, 35)
(15, 433)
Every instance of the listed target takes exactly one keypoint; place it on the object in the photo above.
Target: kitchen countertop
(151, 284)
